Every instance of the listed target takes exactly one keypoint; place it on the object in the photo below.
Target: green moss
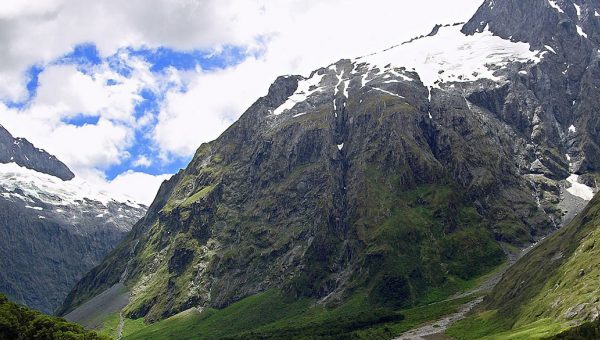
(110, 325)
(421, 241)
(249, 313)
(488, 325)
(197, 196)
(132, 326)
(588, 330)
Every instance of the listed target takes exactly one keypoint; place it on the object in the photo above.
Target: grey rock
(22, 152)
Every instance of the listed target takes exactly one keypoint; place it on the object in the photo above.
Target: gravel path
(120, 327)
(436, 329)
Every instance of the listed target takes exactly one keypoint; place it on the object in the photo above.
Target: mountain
(384, 182)
(24, 154)
(53, 227)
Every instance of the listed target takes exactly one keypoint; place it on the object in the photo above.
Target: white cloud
(37, 32)
(142, 162)
(64, 92)
(304, 36)
(140, 186)
(297, 37)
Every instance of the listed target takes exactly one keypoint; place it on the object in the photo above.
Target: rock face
(23, 153)
(387, 174)
(52, 231)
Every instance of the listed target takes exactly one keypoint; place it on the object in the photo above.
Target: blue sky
(126, 97)
(86, 56)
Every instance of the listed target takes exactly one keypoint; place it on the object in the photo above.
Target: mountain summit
(24, 154)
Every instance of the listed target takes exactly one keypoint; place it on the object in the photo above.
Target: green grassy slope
(270, 315)
(551, 289)
(274, 315)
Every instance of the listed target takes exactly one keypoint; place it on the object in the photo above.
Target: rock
(575, 311)
(23, 153)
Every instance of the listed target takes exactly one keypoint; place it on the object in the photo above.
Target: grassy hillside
(551, 289)
(274, 315)
(19, 322)
(270, 315)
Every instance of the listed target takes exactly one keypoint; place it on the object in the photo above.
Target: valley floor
(267, 315)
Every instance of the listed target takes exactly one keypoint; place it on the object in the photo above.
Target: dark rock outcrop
(22, 152)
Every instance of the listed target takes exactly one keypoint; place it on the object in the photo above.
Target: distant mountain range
(54, 227)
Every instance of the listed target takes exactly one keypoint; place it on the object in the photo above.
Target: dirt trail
(120, 326)
(436, 329)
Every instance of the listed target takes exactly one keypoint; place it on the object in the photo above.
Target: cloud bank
(165, 76)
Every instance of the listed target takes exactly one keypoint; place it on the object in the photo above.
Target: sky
(124, 92)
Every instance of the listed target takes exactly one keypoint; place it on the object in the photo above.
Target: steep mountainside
(52, 230)
(393, 175)
(554, 287)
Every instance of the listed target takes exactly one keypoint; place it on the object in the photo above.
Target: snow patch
(452, 56)
(555, 6)
(301, 94)
(578, 189)
(429, 99)
(34, 208)
(388, 92)
(401, 75)
(549, 48)
(32, 186)
(346, 86)
(572, 129)
(363, 79)
(578, 9)
(340, 146)
(581, 32)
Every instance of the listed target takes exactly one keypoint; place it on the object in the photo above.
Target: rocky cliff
(391, 174)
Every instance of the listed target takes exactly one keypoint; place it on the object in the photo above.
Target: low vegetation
(19, 322)
(270, 315)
